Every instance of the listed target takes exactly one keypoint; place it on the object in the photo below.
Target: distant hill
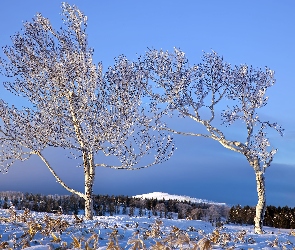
(166, 196)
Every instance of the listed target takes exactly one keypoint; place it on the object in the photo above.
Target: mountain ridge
(166, 196)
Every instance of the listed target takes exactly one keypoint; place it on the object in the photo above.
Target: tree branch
(57, 177)
(124, 167)
(185, 133)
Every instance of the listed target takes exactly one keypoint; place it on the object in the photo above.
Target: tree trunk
(88, 205)
(261, 205)
(89, 173)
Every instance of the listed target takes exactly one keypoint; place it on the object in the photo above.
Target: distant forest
(114, 205)
(279, 217)
(105, 205)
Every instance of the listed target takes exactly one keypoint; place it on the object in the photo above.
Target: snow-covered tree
(200, 92)
(74, 105)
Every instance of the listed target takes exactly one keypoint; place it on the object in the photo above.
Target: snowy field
(32, 230)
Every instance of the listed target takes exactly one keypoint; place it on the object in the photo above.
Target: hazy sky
(261, 33)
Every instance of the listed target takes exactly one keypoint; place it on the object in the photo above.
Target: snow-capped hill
(166, 196)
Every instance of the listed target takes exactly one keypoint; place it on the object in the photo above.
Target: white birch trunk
(261, 205)
(89, 173)
(88, 201)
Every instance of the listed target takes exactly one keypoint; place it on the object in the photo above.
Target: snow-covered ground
(49, 231)
(166, 196)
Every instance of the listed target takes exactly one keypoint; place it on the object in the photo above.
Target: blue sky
(261, 33)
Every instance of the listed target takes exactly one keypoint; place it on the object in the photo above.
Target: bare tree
(75, 105)
(200, 92)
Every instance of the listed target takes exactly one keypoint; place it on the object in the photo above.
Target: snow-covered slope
(42, 231)
(166, 196)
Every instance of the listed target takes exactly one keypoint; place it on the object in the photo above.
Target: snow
(40, 247)
(166, 196)
(126, 229)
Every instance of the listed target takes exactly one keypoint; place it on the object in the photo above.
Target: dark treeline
(41, 203)
(279, 217)
(115, 205)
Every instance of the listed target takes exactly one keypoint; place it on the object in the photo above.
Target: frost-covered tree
(200, 92)
(74, 105)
